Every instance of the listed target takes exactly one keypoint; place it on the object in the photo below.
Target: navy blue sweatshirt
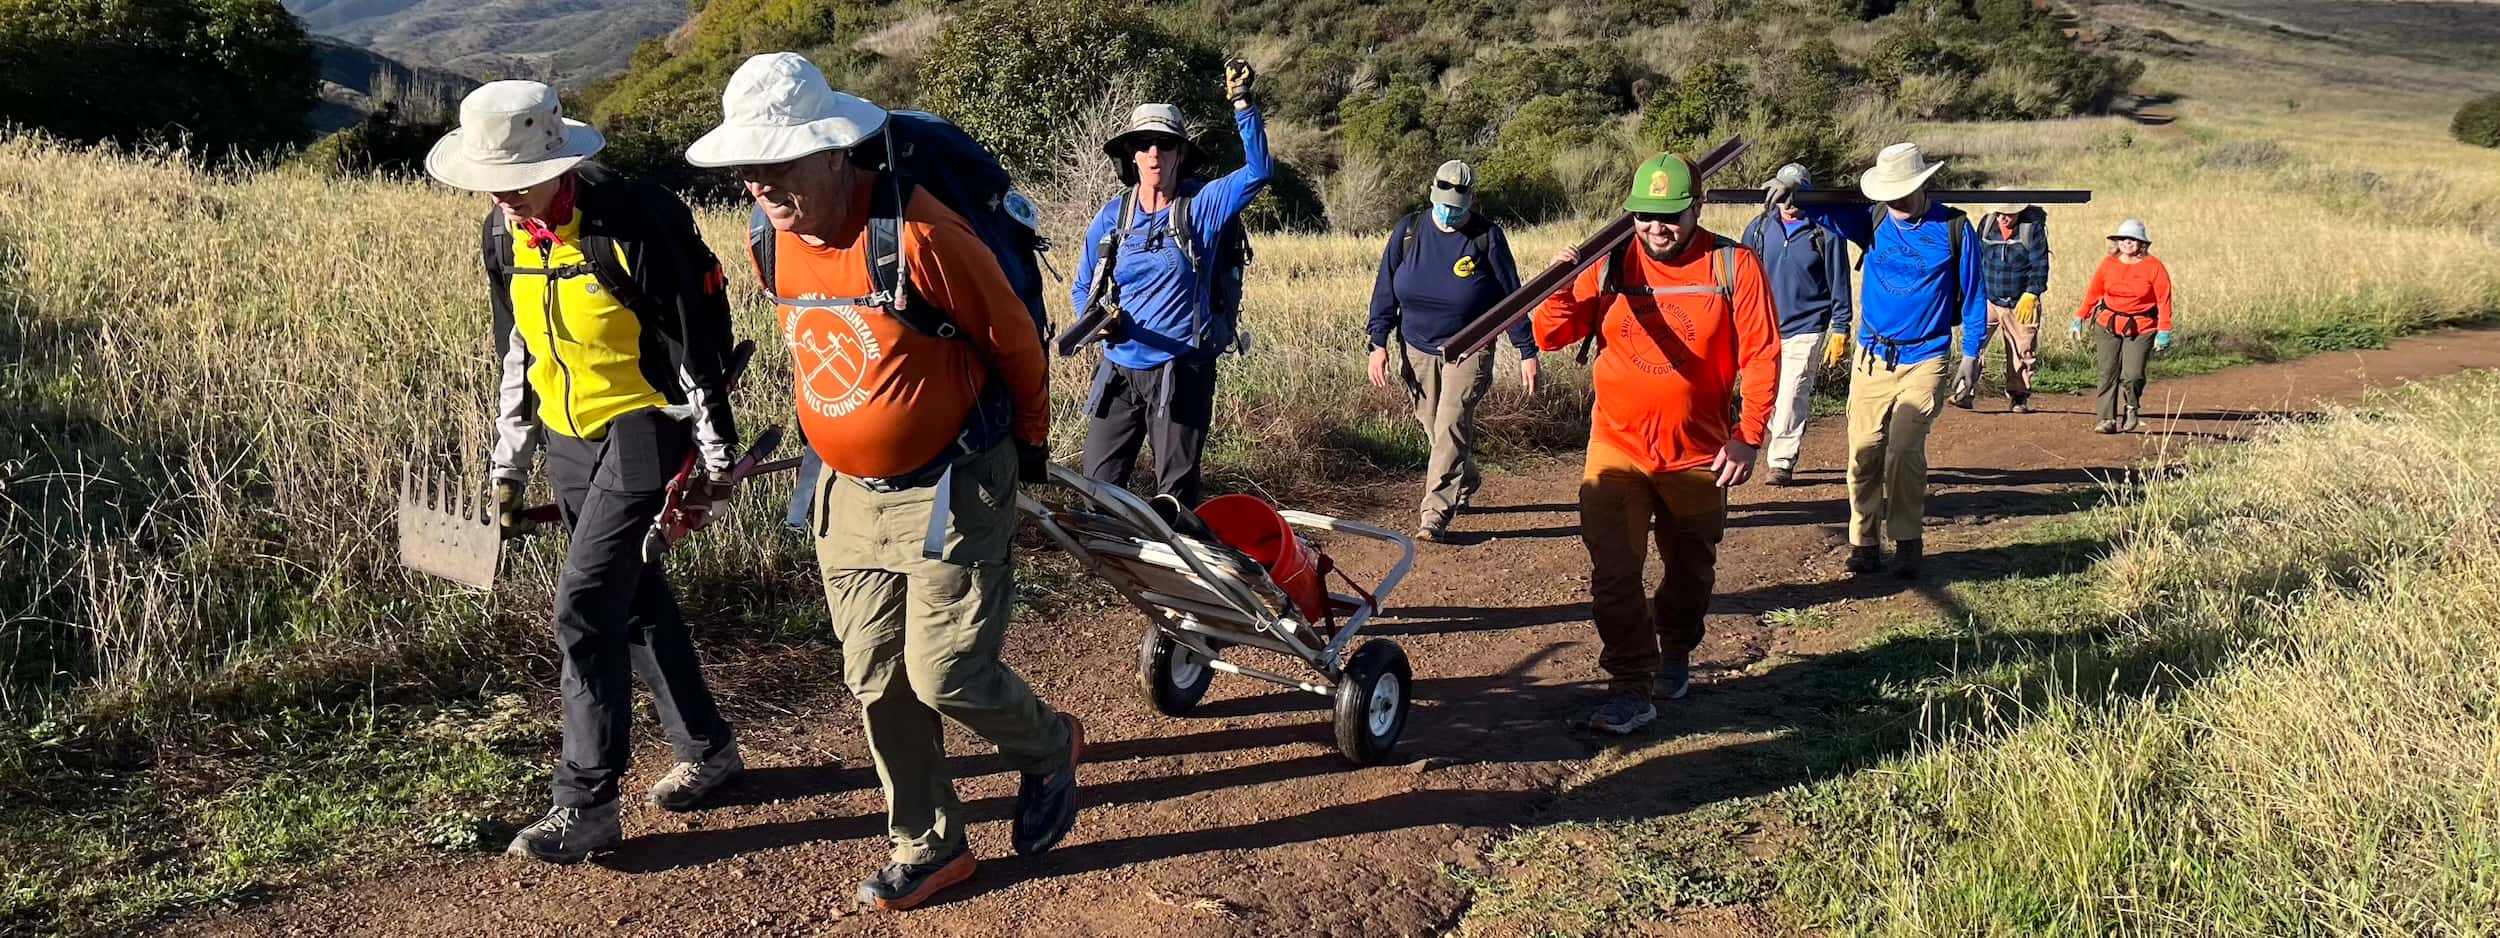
(1809, 267)
(1447, 285)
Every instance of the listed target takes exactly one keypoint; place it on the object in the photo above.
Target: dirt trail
(1243, 820)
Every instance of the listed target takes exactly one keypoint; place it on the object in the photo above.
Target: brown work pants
(2021, 341)
(1618, 503)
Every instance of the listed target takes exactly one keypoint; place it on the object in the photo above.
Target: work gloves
(711, 487)
(2074, 329)
(2161, 341)
(1785, 184)
(1238, 79)
(2027, 309)
(1835, 349)
(507, 497)
(1032, 462)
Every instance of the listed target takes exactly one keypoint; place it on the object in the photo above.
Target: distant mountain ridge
(567, 43)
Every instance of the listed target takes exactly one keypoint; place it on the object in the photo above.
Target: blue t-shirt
(1165, 303)
(1910, 294)
(1448, 284)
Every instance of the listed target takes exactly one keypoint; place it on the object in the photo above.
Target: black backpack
(599, 231)
(1231, 263)
(923, 151)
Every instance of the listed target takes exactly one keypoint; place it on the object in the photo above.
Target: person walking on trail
(1175, 252)
(1441, 271)
(2128, 305)
(2014, 264)
(1808, 264)
(915, 519)
(1681, 317)
(1921, 280)
(610, 320)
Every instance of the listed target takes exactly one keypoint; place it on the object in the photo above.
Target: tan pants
(1890, 410)
(1445, 396)
(921, 637)
(2022, 355)
(1640, 628)
(1801, 359)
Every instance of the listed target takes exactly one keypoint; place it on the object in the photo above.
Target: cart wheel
(1175, 676)
(1372, 699)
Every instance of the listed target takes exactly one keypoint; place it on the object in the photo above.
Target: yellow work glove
(1835, 349)
(2027, 309)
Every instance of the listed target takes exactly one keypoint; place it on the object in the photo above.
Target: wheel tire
(1373, 697)
(1175, 677)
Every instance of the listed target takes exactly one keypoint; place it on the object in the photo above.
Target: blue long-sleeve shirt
(1163, 301)
(1809, 267)
(1912, 292)
(1447, 285)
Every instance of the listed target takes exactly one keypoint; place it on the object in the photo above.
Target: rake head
(446, 533)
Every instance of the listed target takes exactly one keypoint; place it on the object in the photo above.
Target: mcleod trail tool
(451, 535)
(1521, 303)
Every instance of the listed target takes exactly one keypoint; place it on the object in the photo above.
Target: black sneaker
(1675, 679)
(1046, 805)
(2022, 405)
(569, 835)
(900, 886)
(1867, 559)
(1906, 557)
(1963, 401)
(1622, 714)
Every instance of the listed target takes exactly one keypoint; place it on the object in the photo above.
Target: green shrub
(388, 143)
(2478, 122)
(1518, 180)
(1013, 71)
(224, 77)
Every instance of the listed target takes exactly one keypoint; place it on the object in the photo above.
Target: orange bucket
(1252, 526)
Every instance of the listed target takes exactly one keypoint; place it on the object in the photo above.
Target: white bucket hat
(1899, 171)
(2133, 230)
(2007, 208)
(778, 107)
(512, 135)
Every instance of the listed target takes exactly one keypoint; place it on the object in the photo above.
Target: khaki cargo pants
(1623, 507)
(2022, 355)
(1445, 396)
(921, 637)
(1890, 409)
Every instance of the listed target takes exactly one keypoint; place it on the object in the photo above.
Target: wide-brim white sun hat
(2133, 230)
(1899, 171)
(512, 135)
(778, 107)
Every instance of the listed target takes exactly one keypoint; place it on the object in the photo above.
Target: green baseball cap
(1663, 184)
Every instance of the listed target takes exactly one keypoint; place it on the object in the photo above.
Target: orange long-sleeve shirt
(878, 399)
(1671, 362)
(2131, 290)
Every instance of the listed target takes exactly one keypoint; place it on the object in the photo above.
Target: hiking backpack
(1610, 285)
(1479, 246)
(923, 151)
(598, 237)
(1222, 326)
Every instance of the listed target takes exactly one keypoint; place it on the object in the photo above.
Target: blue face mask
(1448, 216)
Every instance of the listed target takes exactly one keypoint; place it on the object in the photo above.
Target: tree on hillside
(2478, 122)
(227, 77)
(1013, 72)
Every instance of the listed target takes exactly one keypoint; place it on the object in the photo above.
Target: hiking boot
(1963, 401)
(569, 835)
(688, 783)
(1906, 557)
(1046, 805)
(1434, 530)
(2105, 427)
(2022, 405)
(900, 886)
(1781, 478)
(2133, 423)
(1622, 714)
(1675, 679)
(1867, 559)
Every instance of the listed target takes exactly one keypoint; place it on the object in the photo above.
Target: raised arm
(1571, 313)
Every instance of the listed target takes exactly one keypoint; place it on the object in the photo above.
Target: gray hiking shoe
(1675, 679)
(1781, 477)
(2133, 423)
(1622, 714)
(2105, 427)
(569, 835)
(688, 783)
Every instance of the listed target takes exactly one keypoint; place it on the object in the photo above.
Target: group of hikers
(919, 361)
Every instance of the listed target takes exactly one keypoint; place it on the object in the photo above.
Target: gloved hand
(707, 490)
(1032, 462)
(1785, 184)
(2074, 329)
(1835, 349)
(507, 497)
(1239, 77)
(2027, 309)
(2161, 341)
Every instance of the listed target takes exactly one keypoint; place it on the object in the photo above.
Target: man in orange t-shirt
(1681, 317)
(926, 436)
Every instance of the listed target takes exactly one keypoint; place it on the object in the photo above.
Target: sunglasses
(1656, 218)
(1452, 187)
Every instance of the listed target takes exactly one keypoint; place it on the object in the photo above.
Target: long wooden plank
(1478, 335)
(1947, 196)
